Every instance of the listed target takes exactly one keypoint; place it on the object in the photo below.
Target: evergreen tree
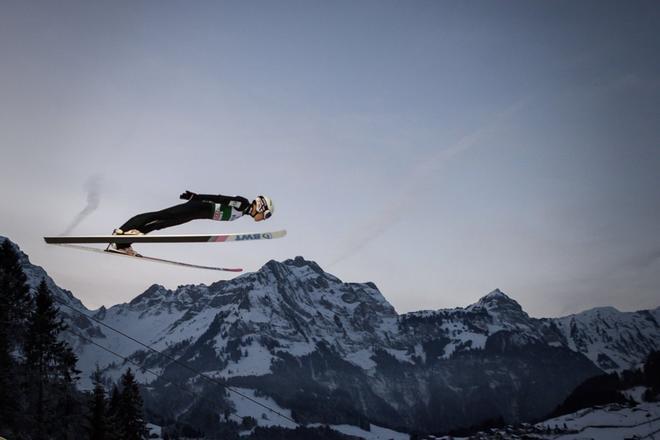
(113, 409)
(8, 393)
(98, 410)
(15, 302)
(15, 306)
(70, 406)
(115, 401)
(652, 375)
(130, 416)
(50, 368)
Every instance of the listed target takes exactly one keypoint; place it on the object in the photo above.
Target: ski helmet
(265, 206)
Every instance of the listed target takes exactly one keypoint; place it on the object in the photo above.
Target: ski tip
(277, 234)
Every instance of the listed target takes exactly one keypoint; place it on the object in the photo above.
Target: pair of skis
(76, 242)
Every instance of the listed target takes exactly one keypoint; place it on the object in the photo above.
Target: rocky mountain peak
(601, 311)
(502, 311)
(497, 301)
(154, 291)
(304, 282)
(302, 262)
(295, 278)
(298, 267)
(496, 294)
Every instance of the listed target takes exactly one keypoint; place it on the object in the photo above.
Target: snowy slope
(469, 328)
(613, 340)
(35, 274)
(266, 418)
(257, 313)
(610, 422)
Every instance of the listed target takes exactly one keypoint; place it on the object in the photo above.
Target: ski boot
(127, 250)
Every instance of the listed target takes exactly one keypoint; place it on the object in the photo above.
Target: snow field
(612, 422)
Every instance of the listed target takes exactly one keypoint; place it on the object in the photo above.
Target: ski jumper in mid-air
(198, 206)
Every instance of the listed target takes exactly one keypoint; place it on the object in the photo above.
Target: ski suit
(200, 206)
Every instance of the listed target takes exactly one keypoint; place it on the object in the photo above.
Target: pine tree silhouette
(130, 411)
(50, 368)
(652, 375)
(98, 410)
(16, 301)
(15, 306)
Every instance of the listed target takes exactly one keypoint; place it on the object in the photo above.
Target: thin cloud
(396, 207)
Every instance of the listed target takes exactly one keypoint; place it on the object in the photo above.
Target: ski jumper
(200, 206)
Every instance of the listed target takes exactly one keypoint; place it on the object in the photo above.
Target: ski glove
(188, 195)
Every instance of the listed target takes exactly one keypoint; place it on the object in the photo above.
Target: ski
(154, 259)
(189, 238)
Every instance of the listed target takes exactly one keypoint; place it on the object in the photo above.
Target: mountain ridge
(493, 312)
(291, 322)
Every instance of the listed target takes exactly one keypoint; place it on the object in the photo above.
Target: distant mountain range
(338, 353)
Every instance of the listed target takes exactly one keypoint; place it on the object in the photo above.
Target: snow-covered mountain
(613, 340)
(287, 307)
(336, 352)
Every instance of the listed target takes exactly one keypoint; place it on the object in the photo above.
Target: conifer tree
(15, 305)
(98, 410)
(7, 394)
(652, 375)
(130, 413)
(113, 404)
(50, 368)
(15, 302)
(113, 411)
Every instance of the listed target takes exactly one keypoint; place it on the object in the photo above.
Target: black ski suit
(200, 206)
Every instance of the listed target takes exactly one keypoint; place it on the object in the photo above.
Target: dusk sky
(440, 149)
